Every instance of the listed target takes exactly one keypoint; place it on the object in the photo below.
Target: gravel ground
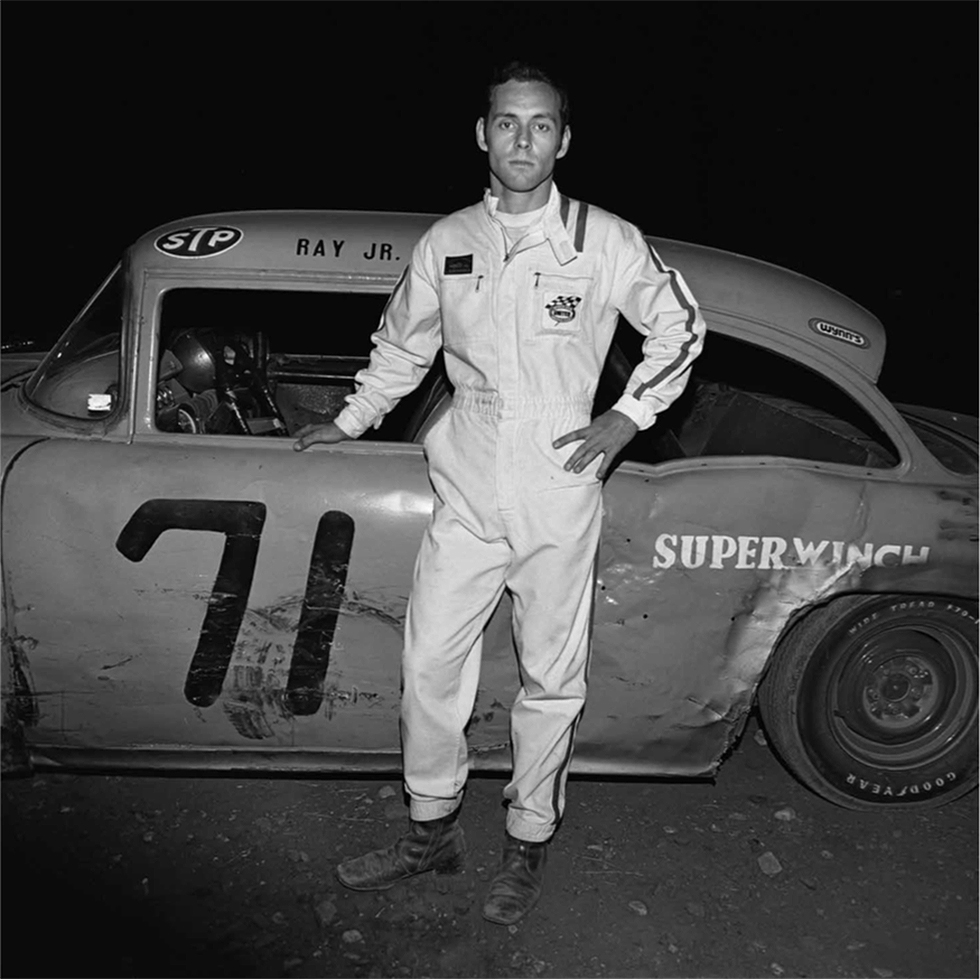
(751, 875)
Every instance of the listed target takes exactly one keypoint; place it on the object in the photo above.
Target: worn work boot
(432, 844)
(517, 886)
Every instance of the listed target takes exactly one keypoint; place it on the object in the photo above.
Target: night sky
(836, 139)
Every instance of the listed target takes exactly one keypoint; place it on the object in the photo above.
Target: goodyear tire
(872, 701)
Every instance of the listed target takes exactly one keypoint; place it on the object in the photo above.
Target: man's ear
(566, 138)
(481, 134)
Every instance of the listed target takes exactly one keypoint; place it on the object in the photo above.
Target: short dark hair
(521, 71)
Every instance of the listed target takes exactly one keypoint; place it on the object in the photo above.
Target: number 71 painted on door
(241, 521)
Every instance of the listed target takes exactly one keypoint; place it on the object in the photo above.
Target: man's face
(521, 137)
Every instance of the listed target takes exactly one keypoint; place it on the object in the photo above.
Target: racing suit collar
(551, 223)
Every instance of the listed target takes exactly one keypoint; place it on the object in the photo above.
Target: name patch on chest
(458, 265)
(562, 308)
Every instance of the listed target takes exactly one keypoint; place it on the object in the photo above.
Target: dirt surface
(750, 876)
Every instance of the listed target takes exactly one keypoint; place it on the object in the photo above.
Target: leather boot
(432, 844)
(517, 886)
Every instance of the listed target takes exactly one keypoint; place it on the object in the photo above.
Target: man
(522, 293)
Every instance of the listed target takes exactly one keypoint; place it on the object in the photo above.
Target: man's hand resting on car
(311, 434)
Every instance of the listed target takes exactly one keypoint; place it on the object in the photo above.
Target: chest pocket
(560, 304)
(465, 302)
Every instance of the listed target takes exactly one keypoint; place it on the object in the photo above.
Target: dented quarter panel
(679, 650)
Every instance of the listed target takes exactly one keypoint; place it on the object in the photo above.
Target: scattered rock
(809, 882)
(512, 929)
(394, 810)
(67, 809)
(786, 815)
(760, 738)
(278, 918)
(826, 854)
(740, 816)
(263, 939)
(769, 865)
(715, 828)
(883, 973)
(855, 946)
(325, 912)
(264, 824)
(298, 856)
(293, 963)
(147, 837)
(352, 936)
(386, 792)
(670, 830)
(695, 909)
(527, 962)
(777, 969)
(638, 907)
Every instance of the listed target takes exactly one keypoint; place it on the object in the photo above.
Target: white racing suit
(525, 335)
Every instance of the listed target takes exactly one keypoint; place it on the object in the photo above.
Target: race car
(182, 590)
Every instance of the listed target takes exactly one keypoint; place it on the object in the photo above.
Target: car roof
(374, 246)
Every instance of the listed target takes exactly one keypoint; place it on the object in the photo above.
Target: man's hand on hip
(311, 434)
(609, 434)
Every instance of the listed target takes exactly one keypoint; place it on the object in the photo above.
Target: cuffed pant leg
(459, 579)
(553, 580)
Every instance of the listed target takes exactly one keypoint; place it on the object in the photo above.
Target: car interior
(292, 363)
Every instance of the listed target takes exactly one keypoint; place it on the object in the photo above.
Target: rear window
(952, 454)
(742, 399)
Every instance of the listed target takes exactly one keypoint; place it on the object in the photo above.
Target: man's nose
(523, 137)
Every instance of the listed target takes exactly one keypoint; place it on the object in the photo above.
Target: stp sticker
(198, 242)
(827, 329)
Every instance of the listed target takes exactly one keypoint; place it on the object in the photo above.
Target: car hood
(20, 362)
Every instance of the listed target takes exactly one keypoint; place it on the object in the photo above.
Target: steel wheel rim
(902, 696)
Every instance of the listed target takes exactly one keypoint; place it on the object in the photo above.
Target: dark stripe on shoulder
(565, 203)
(583, 214)
(683, 302)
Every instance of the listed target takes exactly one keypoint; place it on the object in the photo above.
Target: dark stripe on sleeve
(683, 302)
(565, 202)
(583, 213)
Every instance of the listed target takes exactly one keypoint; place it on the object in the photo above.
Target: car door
(210, 590)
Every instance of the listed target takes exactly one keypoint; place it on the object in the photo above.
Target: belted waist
(488, 403)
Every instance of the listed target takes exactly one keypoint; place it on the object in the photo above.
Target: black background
(836, 139)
